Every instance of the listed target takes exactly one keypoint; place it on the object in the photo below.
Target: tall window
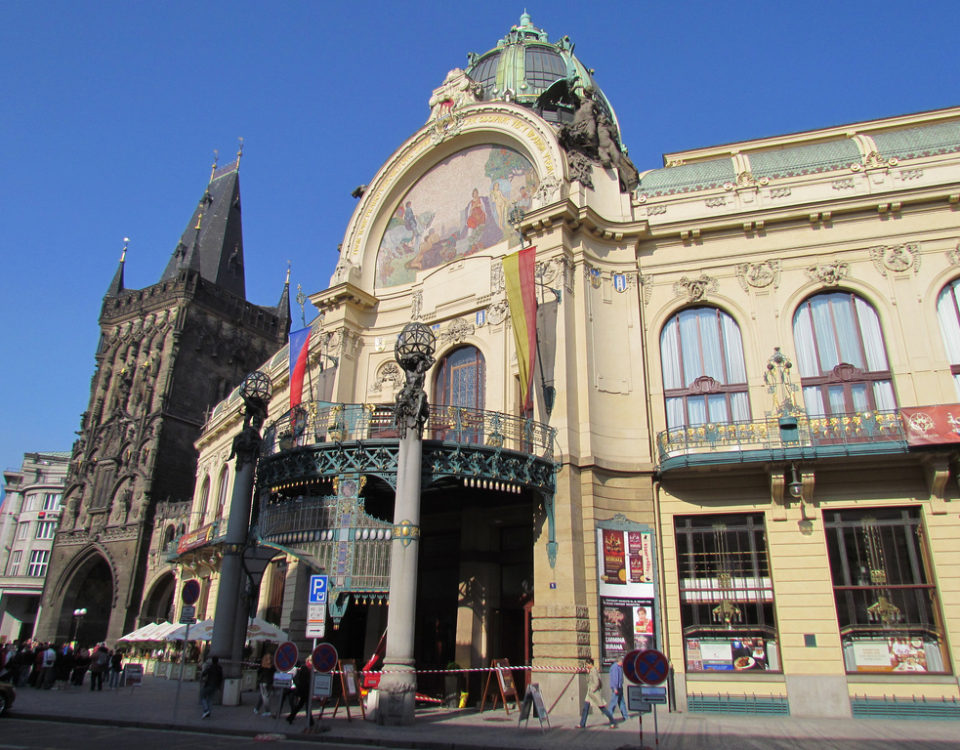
(204, 499)
(38, 563)
(23, 529)
(704, 376)
(841, 355)
(46, 529)
(887, 607)
(222, 492)
(461, 382)
(460, 379)
(13, 567)
(726, 594)
(51, 501)
(948, 311)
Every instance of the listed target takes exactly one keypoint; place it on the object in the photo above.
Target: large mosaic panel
(458, 208)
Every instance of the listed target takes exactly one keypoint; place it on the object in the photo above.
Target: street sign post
(317, 607)
(630, 666)
(285, 656)
(652, 667)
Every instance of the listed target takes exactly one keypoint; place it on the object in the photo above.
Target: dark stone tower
(167, 354)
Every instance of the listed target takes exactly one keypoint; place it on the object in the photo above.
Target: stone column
(228, 635)
(414, 352)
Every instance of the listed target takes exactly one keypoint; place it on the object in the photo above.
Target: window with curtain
(948, 313)
(204, 499)
(726, 594)
(841, 356)
(887, 604)
(222, 492)
(461, 381)
(704, 375)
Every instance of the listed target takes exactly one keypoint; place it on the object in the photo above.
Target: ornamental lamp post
(397, 694)
(78, 615)
(229, 626)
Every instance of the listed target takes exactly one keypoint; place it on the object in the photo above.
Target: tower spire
(116, 286)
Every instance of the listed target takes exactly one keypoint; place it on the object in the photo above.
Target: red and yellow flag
(519, 277)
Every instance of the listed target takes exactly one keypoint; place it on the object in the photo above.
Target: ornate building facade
(134, 461)
(29, 517)
(742, 444)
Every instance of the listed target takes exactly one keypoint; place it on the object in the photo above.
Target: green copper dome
(526, 68)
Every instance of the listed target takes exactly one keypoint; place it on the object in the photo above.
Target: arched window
(461, 379)
(704, 376)
(948, 311)
(222, 492)
(841, 355)
(204, 499)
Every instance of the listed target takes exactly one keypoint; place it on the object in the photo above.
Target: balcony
(791, 438)
(322, 439)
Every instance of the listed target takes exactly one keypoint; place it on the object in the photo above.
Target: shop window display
(726, 594)
(887, 607)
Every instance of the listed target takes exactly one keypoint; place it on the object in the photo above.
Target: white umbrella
(261, 630)
(257, 630)
(202, 631)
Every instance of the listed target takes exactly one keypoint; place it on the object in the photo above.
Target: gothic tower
(167, 354)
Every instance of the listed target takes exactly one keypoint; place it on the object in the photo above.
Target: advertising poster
(890, 655)
(627, 624)
(727, 655)
(625, 563)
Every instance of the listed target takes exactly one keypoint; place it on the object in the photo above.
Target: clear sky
(110, 112)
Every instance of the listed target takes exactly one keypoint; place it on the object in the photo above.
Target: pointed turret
(212, 243)
(283, 307)
(116, 286)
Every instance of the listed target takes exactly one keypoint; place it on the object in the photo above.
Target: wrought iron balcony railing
(324, 422)
(792, 437)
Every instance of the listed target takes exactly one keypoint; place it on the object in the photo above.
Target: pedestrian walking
(99, 664)
(594, 696)
(116, 669)
(617, 698)
(301, 687)
(265, 684)
(211, 678)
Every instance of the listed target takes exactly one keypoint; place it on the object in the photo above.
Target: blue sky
(111, 111)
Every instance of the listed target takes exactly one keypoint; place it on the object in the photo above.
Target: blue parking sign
(318, 589)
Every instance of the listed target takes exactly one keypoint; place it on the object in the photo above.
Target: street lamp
(414, 353)
(229, 627)
(78, 615)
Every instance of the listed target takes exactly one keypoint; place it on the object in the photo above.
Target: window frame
(872, 593)
(700, 385)
(741, 584)
(844, 378)
(39, 560)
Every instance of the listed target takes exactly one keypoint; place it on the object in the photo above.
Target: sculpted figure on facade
(592, 139)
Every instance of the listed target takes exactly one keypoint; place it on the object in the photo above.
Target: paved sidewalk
(154, 705)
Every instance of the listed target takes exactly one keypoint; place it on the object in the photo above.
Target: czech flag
(519, 278)
(299, 348)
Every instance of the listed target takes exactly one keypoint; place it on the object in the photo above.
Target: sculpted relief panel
(458, 208)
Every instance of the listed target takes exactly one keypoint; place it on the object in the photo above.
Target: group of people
(49, 667)
(595, 693)
(211, 680)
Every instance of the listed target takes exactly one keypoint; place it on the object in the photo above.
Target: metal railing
(852, 433)
(323, 422)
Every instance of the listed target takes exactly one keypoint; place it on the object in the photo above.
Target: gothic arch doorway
(158, 604)
(92, 590)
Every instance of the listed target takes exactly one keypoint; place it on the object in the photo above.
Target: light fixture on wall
(795, 486)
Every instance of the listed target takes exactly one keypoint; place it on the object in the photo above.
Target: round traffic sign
(630, 667)
(285, 656)
(652, 666)
(324, 657)
(190, 591)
